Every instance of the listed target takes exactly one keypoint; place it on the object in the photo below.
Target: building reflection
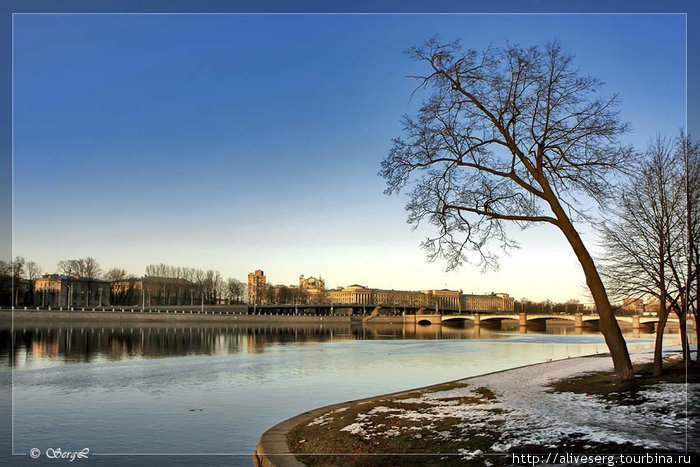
(70, 343)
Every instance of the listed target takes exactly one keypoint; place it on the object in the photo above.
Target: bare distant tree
(235, 290)
(115, 274)
(508, 134)
(67, 267)
(301, 295)
(18, 267)
(321, 296)
(87, 267)
(643, 237)
(91, 268)
(33, 270)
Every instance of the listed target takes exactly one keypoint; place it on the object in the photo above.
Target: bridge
(524, 319)
(419, 315)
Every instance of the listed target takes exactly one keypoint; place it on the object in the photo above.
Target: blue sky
(238, 142)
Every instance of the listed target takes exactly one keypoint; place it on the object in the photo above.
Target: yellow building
(356, 294)
(257, 288)
(311, 283)
(154, 290)
(71, 291)
(494, 302)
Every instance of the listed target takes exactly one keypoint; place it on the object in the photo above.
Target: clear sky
(238, 142)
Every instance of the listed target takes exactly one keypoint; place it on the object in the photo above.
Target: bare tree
(643, 239)
(321, 296)
(67, 267)
(86, 267)
(235, 290)
(689, 151)
(509, 134)
(33, 270)
(115, 274)
(685, 272)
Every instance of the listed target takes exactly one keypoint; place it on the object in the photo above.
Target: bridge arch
(447, 319)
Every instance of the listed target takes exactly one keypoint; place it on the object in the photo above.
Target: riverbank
(486, 419)
(238, 314)
(175, 315)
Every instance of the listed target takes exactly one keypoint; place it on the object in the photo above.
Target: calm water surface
(182, 390)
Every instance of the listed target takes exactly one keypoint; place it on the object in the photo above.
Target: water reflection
(229, 383)
(43, 343)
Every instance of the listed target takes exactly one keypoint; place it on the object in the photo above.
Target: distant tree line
(16, 280)
(283, 294)
(164, 284)
(547, 306)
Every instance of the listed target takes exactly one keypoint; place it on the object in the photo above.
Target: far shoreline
(235, 315)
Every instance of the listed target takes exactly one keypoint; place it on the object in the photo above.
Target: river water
(191, 394)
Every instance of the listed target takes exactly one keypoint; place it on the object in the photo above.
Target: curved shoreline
(273, 450)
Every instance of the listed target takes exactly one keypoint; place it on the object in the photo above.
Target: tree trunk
(608, 323)
(682, 324)
(697, 339)
(663, 318)
(658, 344)
(663, 311)
(697, 304)
(684, 338)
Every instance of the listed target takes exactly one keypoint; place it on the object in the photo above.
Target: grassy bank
(482, 420)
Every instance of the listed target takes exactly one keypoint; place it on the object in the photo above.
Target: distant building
(361, 295)
(257, 288)
(653, 305)
(311, 283)
(484, 303)
(154, 291)
(633, 305)
(313, 290)
(71, 291)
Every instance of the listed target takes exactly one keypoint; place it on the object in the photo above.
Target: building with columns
(357, 294)
(484, 303)
(71, 291)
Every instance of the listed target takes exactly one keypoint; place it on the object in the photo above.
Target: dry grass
(384, 438)
(606, 384)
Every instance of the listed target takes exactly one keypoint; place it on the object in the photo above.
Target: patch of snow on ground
(382, 409)
(468, 455)
(322, 420)
(326, 417)
(538, 416)
(355, 429)
(530, 413)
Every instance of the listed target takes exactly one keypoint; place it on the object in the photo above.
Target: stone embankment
(228, 315)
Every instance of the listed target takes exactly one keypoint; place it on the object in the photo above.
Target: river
(147, 394)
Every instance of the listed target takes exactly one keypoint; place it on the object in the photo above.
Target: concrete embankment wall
(127, 316)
